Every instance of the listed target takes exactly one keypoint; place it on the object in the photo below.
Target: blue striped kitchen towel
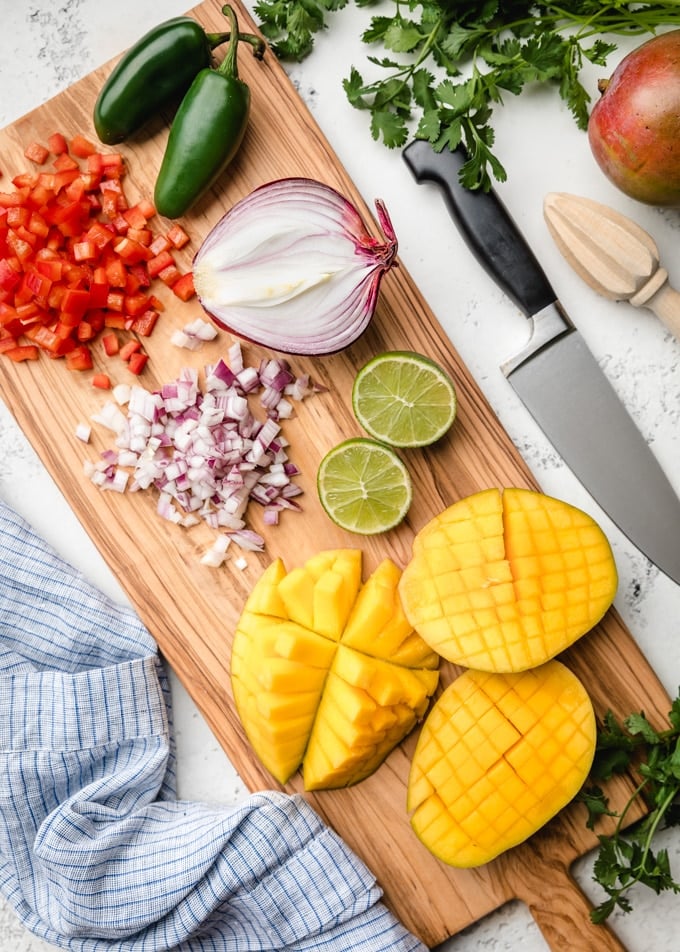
(96, 852)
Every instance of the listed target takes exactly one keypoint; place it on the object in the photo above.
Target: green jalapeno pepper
(153, 74)
(206, 132)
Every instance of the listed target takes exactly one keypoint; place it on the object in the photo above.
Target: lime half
(404, 399)
(364, 486)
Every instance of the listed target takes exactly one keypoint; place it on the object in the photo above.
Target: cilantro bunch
(444, 65)
(626, 857)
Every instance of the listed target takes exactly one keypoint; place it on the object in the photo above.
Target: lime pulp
(404, 399)
(364, 486)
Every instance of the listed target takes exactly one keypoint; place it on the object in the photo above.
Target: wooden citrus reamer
(612, 254)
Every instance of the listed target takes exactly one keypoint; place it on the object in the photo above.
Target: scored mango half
(505, 580)
(326, 671)
(498, 756)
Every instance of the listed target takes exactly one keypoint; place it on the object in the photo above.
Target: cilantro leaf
(389, 126)
(422, 89)
(638, 724)
(596, 803)
(402, 37)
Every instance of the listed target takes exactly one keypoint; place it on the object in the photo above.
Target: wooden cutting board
(192, 609)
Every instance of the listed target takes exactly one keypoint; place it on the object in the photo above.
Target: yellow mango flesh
(504, 581)
(378, 626)
(277, 673)
(498, 756)
(320, 594)
(327, 674)
(364, 712)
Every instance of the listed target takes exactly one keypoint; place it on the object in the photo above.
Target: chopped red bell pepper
(81, 147)
(75, 302)
(145, 323)
(159, 244)
(177, 237)
(115, 300)
(57, 144)
(116, 273)
(135, 304)
(130, 251)
(111, 344)
(161, 261)
(7, 199)
(84, 250)
(85, 332)
(114, 320)
(45, 338)
(37, 153)
(76, 257)
(37, 283)
(10, 274)
(80, 358)
(127, 350)
(102, 381)
(170, 275)
(97, 318)
(65, 161)
(7, 343)
(137, 362)
(99, 293)
(22, 352)
(144, 236)
(184, 287)
(135, 217)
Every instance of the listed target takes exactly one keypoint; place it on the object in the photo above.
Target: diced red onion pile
(205, 451)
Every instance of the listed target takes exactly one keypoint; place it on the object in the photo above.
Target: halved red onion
(293, 267)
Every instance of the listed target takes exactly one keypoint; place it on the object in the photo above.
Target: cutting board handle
(562, 912)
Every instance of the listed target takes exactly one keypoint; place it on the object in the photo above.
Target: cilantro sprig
(626, 857)
(445, 65)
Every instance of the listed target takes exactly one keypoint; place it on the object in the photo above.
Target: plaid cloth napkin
(96, 852)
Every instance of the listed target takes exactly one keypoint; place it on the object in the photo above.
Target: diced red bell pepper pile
(77, 260)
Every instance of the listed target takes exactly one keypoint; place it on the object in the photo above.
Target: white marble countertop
(45, 47)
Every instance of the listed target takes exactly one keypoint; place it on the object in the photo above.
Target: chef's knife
(557, 377)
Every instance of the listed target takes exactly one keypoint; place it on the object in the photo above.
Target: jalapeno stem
(256, 42)
(229, 65)
(216, 39)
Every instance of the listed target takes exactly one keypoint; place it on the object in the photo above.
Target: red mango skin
(634, 128)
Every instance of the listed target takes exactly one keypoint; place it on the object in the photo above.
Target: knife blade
(557, 377)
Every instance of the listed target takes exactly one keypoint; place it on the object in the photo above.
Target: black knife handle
(487, 227)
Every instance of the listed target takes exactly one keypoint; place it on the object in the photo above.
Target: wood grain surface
(192, 609)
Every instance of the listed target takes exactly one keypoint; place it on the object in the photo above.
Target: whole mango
(634, 128)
